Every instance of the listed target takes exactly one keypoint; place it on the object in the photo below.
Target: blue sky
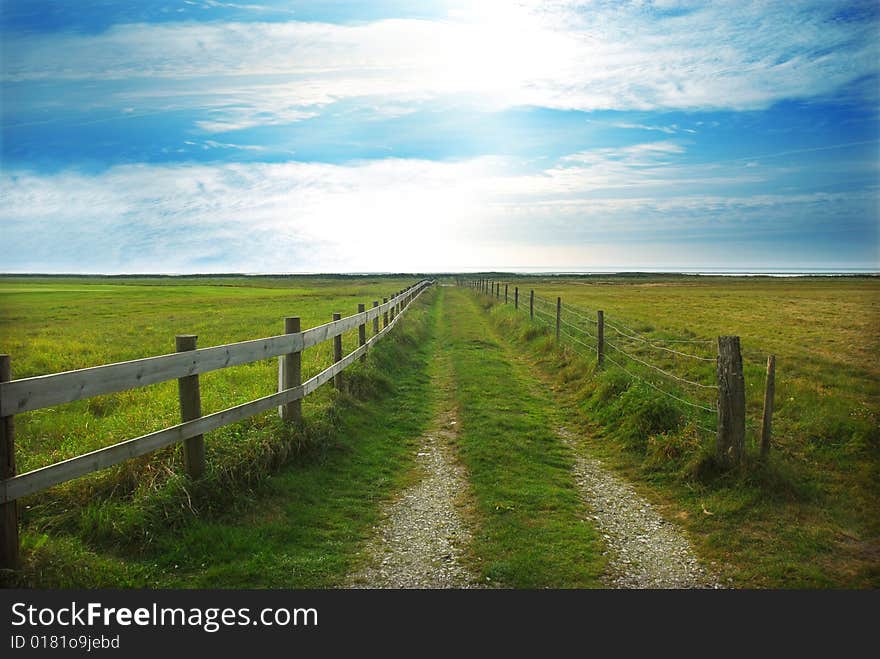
(263, 136)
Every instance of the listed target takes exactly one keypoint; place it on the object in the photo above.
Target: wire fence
(680, 368)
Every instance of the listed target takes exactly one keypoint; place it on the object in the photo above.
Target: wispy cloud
(568, 55)
(481, 212)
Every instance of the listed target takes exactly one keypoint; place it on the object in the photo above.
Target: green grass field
(57, 324)
(290, 507)
(808, 517)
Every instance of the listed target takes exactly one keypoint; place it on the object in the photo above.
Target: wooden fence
(27, 394)
(729, 403)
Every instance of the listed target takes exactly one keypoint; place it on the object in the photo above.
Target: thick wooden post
(558, 316)
(190, 397)
(769, 389)
(532, 305)
(498, 291)
(505, 293)
(731, 440)
(337, 354)
(376, 319)
(362, 331)
(600, 339)
(9, 559)
(290, 374)
(385, 314)
(516, 297)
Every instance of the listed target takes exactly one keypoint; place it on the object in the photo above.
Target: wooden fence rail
(18, 396)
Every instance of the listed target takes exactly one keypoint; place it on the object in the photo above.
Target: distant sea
(715, 272)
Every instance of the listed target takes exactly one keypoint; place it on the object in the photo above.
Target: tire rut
(644, 550)
(422, 539)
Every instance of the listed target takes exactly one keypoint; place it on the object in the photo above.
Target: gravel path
(644, 550)
(420, 542)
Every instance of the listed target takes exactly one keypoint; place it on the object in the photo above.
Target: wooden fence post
(362, 332)
(769, 390)
(731, 440)
(600, 339)
(190, 397)
(516, 297)
(290, 374)
(376, 319)
(337, 354)
(505, 293)
(385, 314)
(9, 559)
(558, 316)
(532, 305)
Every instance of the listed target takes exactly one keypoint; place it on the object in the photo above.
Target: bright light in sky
(277, 136)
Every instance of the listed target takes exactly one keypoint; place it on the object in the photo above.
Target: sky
(166, 136)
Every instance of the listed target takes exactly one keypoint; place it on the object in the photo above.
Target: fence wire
(545, 312)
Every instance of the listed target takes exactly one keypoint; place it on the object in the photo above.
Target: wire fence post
(532, 305)
(9, 557)
(190, 398)
(769, 390)
(505, 293)
(731, 439)
(516, 297)
(290, 374)
(337, 354)
(600, 338)
(558, 316)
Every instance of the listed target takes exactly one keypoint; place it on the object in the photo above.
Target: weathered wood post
(600, 339)
(385, 313)
(362, 332)
(532, 305)
(516, 297)
(290, 374)
(190, 397)
(9, 559)
(558, 316)
(731, 441)
(391, 310)
(769, 390)
(337, 354)
(505, 293)
(376, 319)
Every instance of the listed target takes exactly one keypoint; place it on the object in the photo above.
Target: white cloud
(397, 214)
(571, 55)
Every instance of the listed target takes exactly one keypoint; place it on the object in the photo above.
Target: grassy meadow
(56, 324)
(290, 507)
(808, 517)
